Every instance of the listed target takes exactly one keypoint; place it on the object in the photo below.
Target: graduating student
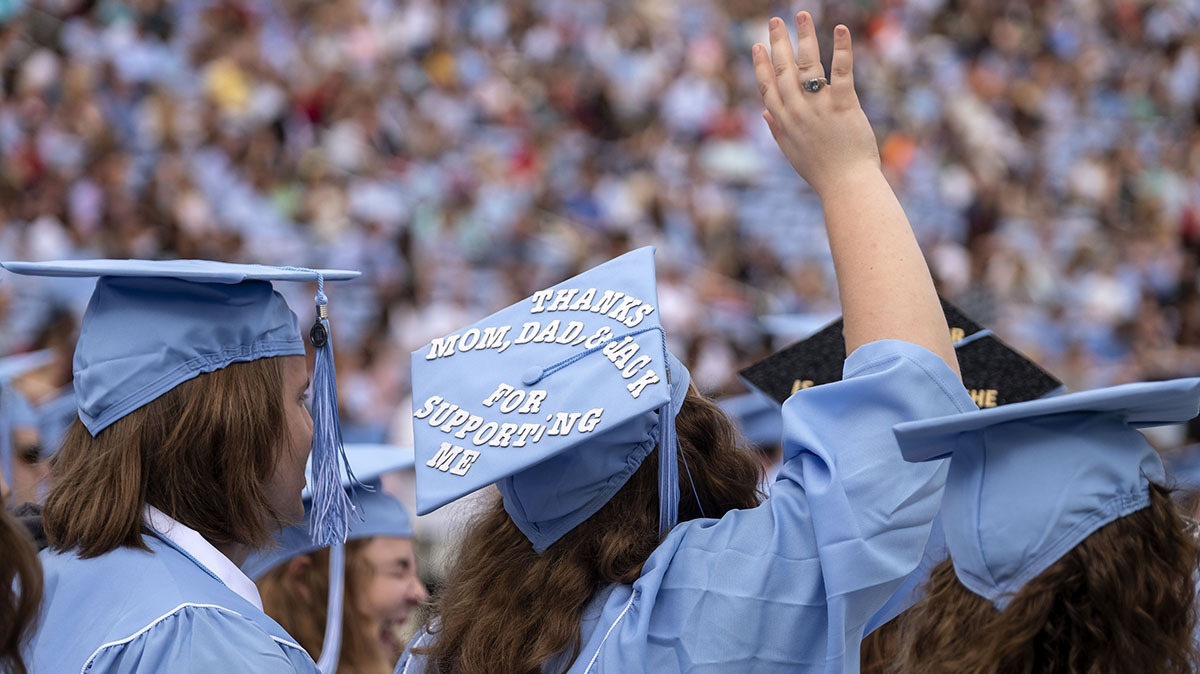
(370, 591)
(20, 587)
(628, 534)
(1067, 555)
(21, 446)
(188, 453)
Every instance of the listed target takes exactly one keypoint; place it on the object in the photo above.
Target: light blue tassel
(331, 647)
(331, 506)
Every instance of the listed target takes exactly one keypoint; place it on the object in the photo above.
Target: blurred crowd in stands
(464, 153)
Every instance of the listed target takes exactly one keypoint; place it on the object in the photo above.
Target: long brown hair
(202, 453)
(1121, 601)
(297, 600)
(20, 590)
(506, 609)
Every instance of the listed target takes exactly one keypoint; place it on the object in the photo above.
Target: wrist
(845, 181)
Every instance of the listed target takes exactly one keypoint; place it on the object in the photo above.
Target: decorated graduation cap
(152, 325)
(1030, 481)
(379, 515)
(556, 399)
(14, 410)
(994, 373)
(757, 417)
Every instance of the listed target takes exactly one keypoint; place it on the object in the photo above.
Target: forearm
(884, 283)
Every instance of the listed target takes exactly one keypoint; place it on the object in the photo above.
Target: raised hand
(821, 128)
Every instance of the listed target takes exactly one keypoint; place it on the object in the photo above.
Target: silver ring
(815, 84)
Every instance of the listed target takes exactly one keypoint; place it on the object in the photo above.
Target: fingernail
(801, 18)
(776, 22)
(841, 31)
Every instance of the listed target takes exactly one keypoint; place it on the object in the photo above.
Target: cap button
(532, 376)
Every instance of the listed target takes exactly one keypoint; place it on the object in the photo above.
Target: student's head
(505, 607)
(29, 470)
(380, 582)
(1067, 554)
(1122, 600)
(190, 380)
(381, 588)
(223, 453)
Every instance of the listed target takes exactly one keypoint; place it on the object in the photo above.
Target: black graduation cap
(992, 371)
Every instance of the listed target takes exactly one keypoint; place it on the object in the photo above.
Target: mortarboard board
(380, 515)
(12, 405)
(757, 416)
(152, 325)
(556, 399)
(994, 373)
(1030, 481)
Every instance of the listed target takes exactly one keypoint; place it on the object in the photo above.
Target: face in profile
(296, 443)
(394, 588)
(30, 474)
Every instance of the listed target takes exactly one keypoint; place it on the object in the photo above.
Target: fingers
(783, 57)
(764, 72)
(808, 50)
(842, 67)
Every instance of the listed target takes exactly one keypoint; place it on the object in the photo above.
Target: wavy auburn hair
(20, 590)
(507, 610)
(298, 600)
(1121, 601)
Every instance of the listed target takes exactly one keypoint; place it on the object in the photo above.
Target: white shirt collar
(194, 544)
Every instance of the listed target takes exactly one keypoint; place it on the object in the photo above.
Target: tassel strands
(332, 506)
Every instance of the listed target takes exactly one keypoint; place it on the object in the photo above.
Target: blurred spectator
(464, 153)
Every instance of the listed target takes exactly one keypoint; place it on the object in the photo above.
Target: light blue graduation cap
(757, 416)
(1183, 467)
(380, 515)
(152, 325)
(556, 399)
(14, 410)
(1030, 481)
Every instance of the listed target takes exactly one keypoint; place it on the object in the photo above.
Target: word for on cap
(463, 425)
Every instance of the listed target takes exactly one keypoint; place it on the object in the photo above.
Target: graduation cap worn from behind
(994, 373)
(151, 325)
(556, 399)
(380, 515)
(13, 408)
(1030, 481)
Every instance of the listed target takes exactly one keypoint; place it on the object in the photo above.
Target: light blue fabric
(152, 325)
(556, 399)
(756, 416)
(137, 612)
(55, 417)
(1030, 481)
(788, 586)
(379, 513)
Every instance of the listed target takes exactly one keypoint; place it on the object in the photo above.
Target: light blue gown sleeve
(790, 585)
(200, 640)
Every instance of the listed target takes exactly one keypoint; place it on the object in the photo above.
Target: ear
(298, 568)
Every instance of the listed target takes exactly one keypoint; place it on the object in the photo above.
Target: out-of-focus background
(463, 154)
(466, 153)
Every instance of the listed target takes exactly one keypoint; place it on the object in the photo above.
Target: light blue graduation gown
(790, 585)
(161, 611)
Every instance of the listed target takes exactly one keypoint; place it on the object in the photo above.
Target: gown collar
(191, 542)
